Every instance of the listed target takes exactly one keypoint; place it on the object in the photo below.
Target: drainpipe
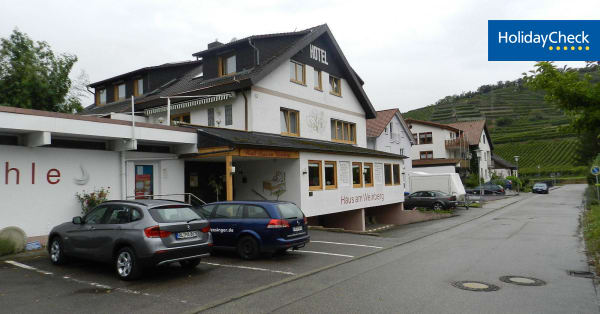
(123, 176)
(245, 110)
(257, 51)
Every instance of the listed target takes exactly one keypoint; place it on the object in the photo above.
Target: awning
(189, 103)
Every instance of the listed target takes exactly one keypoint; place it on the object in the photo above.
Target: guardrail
(188, 197)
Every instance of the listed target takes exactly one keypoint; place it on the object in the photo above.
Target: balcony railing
(463, 163)
(457, 143)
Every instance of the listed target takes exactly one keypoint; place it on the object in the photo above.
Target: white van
(445, 182)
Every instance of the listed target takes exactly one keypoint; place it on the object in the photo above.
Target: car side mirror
(77, 220)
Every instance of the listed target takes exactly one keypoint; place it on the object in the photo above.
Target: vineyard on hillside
(552, 155)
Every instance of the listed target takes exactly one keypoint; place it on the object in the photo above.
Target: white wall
(436, 169)
(386, 142)
(38, 206)
(439, 137)
(346, 197)
(486, 157)
(316, 108)
(257, 175)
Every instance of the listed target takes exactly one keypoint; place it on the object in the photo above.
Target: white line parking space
(324, 253)
(350, 244)
(250, 268)
(21, 265)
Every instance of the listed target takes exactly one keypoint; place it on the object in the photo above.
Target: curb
(35, 253)
(318, 270)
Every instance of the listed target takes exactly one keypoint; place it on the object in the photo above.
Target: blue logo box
(543, 40)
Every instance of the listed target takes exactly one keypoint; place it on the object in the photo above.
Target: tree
(578, 95)
(32, 76)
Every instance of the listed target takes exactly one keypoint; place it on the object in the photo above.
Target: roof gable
(376, 126)
(472, 131)
(433, 124)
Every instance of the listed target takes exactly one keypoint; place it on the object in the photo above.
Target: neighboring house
(503, 168)
(279, 116)
(388, 132)
(478, 137)
(439, 148)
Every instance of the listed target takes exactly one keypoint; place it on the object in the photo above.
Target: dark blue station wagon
(254, 227)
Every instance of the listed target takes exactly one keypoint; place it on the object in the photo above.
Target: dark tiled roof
(377, 125)
(213, 137)
(472, 130)
(500, 163)
(434, 162)
(144, 69)
(437, 125)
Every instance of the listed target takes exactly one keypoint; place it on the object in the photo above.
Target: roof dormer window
(227, 65)
(101, 96)
(138, 87)
(120, 91)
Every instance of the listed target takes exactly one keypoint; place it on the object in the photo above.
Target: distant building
(503, 168)
(478, 137)
(388, 132)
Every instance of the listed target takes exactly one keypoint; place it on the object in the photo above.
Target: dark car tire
(126, 264)
(438, 206)
(280, 251)
(190, 263)
(247, 248)
(57, 253)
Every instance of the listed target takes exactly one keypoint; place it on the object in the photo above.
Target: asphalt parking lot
(33, 284)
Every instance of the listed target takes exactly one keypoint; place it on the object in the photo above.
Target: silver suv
(134, 235)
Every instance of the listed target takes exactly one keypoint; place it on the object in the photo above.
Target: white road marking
(324, 253)
(351, 244)
(28, 267)
(250, 268)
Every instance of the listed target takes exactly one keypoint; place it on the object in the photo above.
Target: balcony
(463, 163)
(457, 143)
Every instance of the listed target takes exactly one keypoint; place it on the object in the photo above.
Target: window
(290, 211)
(119, 92)
(335, 84)
(315, 181)
(144, 181)
(396, 172)
(425, 138)
(97, 216)
(211, 116)
(119, 215)
(290, 122)
(387, 173)
(138, 87)
(391, 131)
(318, 80)
(401, 152)
(426, 154)
(368, 171)
(178, 118)
(101, 96)
(416, 138)
(344, 132)
(228, 115)
(357, 175)
(330, 175)
(228, 211)
(483, 138)
(255, 212)
(297, 72)
(227, 65)
(135, 215)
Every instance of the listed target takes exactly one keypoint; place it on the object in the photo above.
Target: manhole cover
(475, 286)
(522, 280)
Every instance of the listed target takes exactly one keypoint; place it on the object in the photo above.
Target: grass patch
(7, 247)
(439, 211)
(591, 233)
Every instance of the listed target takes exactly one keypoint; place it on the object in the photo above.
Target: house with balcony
(278, 116)
(388, 132)
(451, 148)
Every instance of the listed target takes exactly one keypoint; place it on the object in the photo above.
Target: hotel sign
(318, 54)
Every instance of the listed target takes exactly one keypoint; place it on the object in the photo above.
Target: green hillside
(520, 121)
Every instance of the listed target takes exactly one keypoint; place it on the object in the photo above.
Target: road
(537, 237)
(409, 269)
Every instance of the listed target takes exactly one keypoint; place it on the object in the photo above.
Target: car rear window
(540, 185)
(290, 211)
(176, 213)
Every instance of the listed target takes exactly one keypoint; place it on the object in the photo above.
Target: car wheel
(280, 251)
(438, 206)
(57, 255)
(248, 248)
(126, 264)
(190, 263)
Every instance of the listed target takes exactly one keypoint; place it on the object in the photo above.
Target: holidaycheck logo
(547, 40)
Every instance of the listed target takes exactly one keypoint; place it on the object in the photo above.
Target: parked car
(488, 188)
(255, 227)
(541, 188)
(436, 200)
(134, 235)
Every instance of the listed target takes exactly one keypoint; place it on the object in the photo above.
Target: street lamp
(517, 183)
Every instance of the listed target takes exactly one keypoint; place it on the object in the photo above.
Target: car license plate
(186, 235)
(296, 229)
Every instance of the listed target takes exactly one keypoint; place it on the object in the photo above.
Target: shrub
(93, 199)
(591, 233)
(7, 246)
(516, 182)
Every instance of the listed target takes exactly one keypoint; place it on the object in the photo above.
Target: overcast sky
(409, 53)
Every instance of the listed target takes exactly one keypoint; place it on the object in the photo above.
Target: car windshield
(540, 185)
(290, 211)
(174, 213)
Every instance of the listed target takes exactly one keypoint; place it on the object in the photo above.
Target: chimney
(214, 44)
